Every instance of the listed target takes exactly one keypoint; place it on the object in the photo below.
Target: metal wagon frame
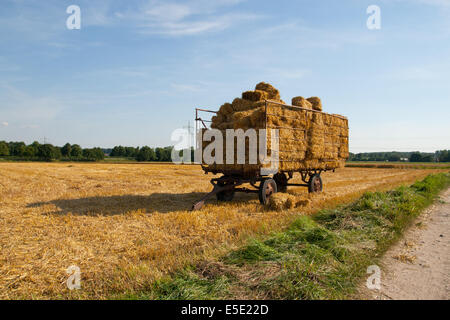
(231, 181)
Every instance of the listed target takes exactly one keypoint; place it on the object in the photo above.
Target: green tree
(17, 148)
(394, 158)
(130, 152)
(146, 154)
(48, 152)
(30, 151)
(4, 149)
(443, 156)
(66, 150)
(415, 157)
(76, 151)
(94, 154)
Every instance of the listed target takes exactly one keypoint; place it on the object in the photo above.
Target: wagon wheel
(282, 181)
(224, 195)
(315, 183)
(266, 189)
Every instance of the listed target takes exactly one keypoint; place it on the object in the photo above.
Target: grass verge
(323, 256)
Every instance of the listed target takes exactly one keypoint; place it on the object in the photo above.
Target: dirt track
(418, 266)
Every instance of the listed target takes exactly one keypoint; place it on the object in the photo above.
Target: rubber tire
(281, 180)
(225, 195)
(262, 193)
(313, 182)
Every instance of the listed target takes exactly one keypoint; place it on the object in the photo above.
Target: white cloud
(169, 12)
(191, 27)
(5, 124)
(187, 18)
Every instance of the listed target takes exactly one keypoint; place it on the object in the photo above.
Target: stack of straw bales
(308, 139)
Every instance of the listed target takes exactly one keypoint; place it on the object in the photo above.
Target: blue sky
(136, 70)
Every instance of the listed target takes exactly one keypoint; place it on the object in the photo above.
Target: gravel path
(418, 266)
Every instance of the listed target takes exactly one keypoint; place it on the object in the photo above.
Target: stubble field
(126, 225)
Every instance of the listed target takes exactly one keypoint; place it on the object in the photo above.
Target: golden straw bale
(256, 95)
(316, 103)
(244, 105)
(301, 102)
(225, 109)
(308, 139)
(272, 92)
(282, 201)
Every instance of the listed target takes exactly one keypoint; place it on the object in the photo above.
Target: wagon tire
(315, 184)
(266, 189)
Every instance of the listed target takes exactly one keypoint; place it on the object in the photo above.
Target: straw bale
(255, 96)
(272, 92)
(301, 102)
(308, 139)
(316, 103)
(282, 201)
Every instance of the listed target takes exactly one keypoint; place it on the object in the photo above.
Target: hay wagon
(310, 142)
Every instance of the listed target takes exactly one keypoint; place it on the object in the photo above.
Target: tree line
(145, 153)
(48, 152)
(73, 152)
(415, 156)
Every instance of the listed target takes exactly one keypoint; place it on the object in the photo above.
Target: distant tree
(35, 145)
(164, 154)
(415, 157)
(158, 154)
(30, 151)
(66, 150)
(94, 154)
(48, 152)
(118, 151)
(394, 158)
(130, 152)
(114, 152)
(4, 149)
(76, 151)
(146, 154)
(443, 156)
(168, 154)
(99, 154)
(16, 148)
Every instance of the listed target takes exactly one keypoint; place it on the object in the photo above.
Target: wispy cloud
(5, 124)
(186, 18)
(154, 17)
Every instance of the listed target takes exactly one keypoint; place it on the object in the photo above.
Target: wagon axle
(225, 187)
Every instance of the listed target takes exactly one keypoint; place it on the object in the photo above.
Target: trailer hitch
(216, 189)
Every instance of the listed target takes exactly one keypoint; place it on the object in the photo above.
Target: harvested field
(126, 225)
